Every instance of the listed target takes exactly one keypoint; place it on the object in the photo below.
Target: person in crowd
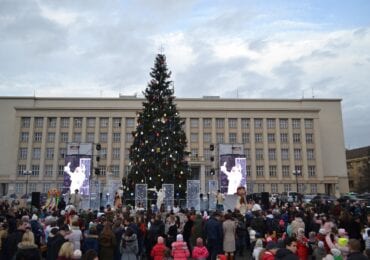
(229, 232)
(27, 248)
(107, 243)
(66, 251)
(214, 234)
(200, 252)
(91, 240)
(172, 231)
(290, 250)
(157, 228)
(319, 252)
(302, 244)
(219, 201)
(355, 250)
(129, 246)
(159, 249)
(180, 250)
(90, 254)
(271, 249)
(11, 242)
(3, 235)
(55, 241)
(75, 235)
(257, 249)
(197, 230)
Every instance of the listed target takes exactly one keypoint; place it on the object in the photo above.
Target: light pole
(296, 173)
(27, 173)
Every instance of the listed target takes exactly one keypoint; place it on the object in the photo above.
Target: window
(24, 137)
(287, 187)
(232, 122)
(194, 153)
(274, 188)
(39, 122)
(25, 122)
(90, 137)
(232, 138)
(207, 122)
(297, 154)
(36, 152)
(129, 137)
(77, 122)
(206, 137)
(296, 138)
(271, 138)
(245, 123)
(104, 122)
(21, 169)
(296, 123)
(19, 188)
(51, 137)
(259, 154)
(309, 138)
(130, 122)
(48, 170)
(37, 136)
(301, 187)
(194, 137)
(35, 170)
(247, 154)
(63, 137)
(250, 187)
(271, 124)
(245, 138)
(298, 169)
(104, 137)
(103, 170)
(22, 153)
(77, 137)
(116, 137)
(258, 138)
(313, 188)
(286, 170)
(311, 171)
(261, 187)
(310, 154)
(60, 170)
(103, 153)
(64, 122)
(283, 123)
(284, 154)
(90, 122)
(220, 123)
(258, 123)
(52, 122)
(259, 170)
(272, 170)
(116, 122)
(116, 153)
(194, 122)
(32, 187)
(115, 170)
(62, 153)
(60, 185)
(49, 153)
(127, 154)
(220, 138)
(284, 138)
(272, 154)
(46, 187)
(308, 123)
(206, 154)
(248, 171)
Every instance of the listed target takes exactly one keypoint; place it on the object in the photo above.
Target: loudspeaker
(35, 200)
(265, 199)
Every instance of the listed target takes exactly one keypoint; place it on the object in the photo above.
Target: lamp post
(27, 173)
(296, 173)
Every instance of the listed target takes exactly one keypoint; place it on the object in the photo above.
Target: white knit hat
(179, 237)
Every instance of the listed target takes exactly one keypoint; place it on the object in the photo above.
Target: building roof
(358, 152)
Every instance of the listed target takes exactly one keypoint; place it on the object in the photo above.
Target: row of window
(194, 122)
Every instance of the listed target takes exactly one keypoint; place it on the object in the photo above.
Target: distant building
(280, 137)
(358, 166)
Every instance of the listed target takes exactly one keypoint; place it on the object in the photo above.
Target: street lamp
(27, 173)
(296, 173)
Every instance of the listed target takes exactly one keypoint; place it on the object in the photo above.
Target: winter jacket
(54, 244)
(75, 237)
(285, 254)
(129, 247)
(302, 248)
(27, 252)
(180, 250)
(200, 252)
(158, 251)
(90, 242)
(267, 255)
(357, 256)
(107, 243)
(11, 243)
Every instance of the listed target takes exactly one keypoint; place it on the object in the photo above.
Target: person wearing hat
(290, 250)
(271, 249)
(180, 250)
(158, 250)
(55, 241)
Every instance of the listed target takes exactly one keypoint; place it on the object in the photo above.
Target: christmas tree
(157, 154)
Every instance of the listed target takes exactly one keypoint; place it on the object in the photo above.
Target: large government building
(289, 144)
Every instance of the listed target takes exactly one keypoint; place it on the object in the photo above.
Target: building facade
(358, 166)
(288, 143)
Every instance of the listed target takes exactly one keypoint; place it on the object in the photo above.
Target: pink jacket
(180, 250)
(200, 252)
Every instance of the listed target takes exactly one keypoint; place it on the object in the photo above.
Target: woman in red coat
(302, 245)
(158, 249)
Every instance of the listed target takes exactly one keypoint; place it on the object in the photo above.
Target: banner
(232, 173)
(77, 174)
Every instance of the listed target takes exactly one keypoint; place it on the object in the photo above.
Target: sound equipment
(36, 200)
(265, 199)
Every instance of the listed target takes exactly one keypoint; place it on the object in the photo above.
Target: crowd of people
(250, 231)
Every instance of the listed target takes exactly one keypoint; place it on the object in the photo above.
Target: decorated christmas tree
(157, 155)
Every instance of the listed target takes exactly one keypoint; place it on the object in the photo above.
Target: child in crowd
(200, 251)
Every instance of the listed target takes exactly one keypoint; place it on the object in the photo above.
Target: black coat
(54, 244)
(31, 252)
(357, 256)
(285, 254)
(11, 243)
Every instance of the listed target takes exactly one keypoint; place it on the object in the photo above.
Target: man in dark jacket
(214, 235)
(11, 242)
(354, 246)
(289, 252)
(55, 242)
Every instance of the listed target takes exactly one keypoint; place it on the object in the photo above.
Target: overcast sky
(245, 49)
